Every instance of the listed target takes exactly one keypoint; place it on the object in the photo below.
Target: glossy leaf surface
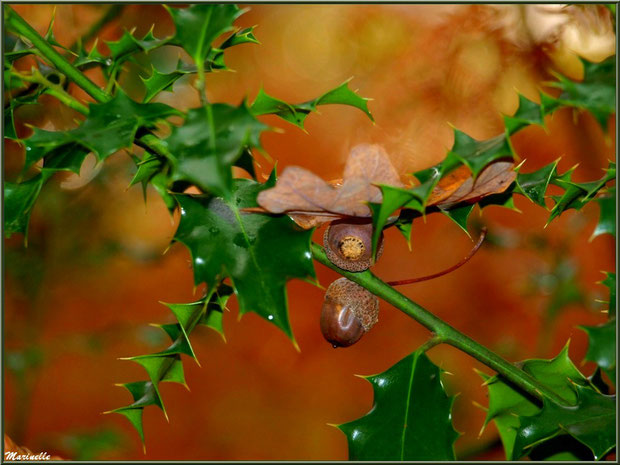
(200, 24)
(602, 346)
(260, 253)
(411, 417)
(507, 403)
(204, 154)
(592, 421)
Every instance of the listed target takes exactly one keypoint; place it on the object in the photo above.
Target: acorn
(348, 244)
(349, 311)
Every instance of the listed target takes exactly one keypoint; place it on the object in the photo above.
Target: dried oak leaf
(310, 200)
(459, 186)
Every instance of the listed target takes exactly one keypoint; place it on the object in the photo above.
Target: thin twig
(473, 251)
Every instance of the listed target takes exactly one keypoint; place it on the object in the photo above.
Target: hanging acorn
(349, 311)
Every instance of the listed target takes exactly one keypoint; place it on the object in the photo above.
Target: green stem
(442, 330)
(432, 342)
(55, 90)
(17, 23)
(204, 102)
(13, 20)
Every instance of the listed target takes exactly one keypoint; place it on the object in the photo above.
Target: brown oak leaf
(310, 200)
(459, 186)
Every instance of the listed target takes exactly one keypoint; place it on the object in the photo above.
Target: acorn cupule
(349, 311)
(348, 244)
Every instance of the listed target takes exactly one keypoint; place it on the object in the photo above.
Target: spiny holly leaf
(475, 155)
(527, 113)
(85, 58)
(411, 416)
(260, 253)
(296, 113)
(147, 168)
(607, 219)
(128, 45)
(610, 283)
(592, 421)
(602, 346)
(396, 197)
(204, 154)
(143, 395)
(534, 185)
(166, 365)
(158, 81)
(15, 47)
(576, 195)
(597, 92)
(507, 403)
(19, 198)
(459, 215)
(199, 25)
(109, 127)
(244, 36)
(31, 98)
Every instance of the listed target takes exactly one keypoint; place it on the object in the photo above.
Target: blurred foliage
(201, 152)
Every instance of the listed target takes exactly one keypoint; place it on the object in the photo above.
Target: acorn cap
(348, 244)
(348, 312)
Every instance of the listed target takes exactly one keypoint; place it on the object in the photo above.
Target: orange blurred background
(85, 289)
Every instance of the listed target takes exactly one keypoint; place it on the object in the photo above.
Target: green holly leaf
(527, 113)
(166, 365)
(507, 403)
(109, 127)
(607, 219)
(212, 318)
(158, 82)
(465, 150)
(534, 185)
(459, 215)
(596, 93)
(85, 59)
(147, 168)
(610, 283)
(244, 36)
(576, 195)
(410, 419)
(602, 346)
(31, 98)
(477, 154)
(412, 199)
(15, 47)
(128, 45)
(591, 421)
(19, 198)
(404, 224)
(296, 113)
(199, 25)
(259, 253)
(204, 160)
